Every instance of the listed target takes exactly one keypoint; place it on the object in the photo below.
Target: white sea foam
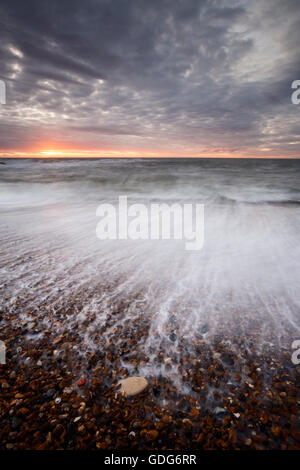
(52, 261)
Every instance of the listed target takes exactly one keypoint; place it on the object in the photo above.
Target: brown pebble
(152, 435)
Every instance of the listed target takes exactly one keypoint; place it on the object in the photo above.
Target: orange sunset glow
(117, 153)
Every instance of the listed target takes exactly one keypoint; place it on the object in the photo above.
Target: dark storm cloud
(166, 74)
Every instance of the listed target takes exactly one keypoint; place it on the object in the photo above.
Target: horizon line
(127, 157)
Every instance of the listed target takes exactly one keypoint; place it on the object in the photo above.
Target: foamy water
(247, 272)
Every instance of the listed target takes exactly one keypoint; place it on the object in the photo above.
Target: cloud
(163, 75)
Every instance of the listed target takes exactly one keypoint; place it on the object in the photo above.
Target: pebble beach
(224, 397)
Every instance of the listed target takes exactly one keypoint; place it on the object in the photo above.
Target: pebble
(81, 429)
(219, 410)
(152, 435)
(81, 382)
(132, 385)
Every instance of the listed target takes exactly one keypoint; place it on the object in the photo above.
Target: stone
(81, 382)
(219, 410)
(81, 429)
(132, 385)
(152, 435)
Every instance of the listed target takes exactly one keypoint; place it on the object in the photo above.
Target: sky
(140, 78)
